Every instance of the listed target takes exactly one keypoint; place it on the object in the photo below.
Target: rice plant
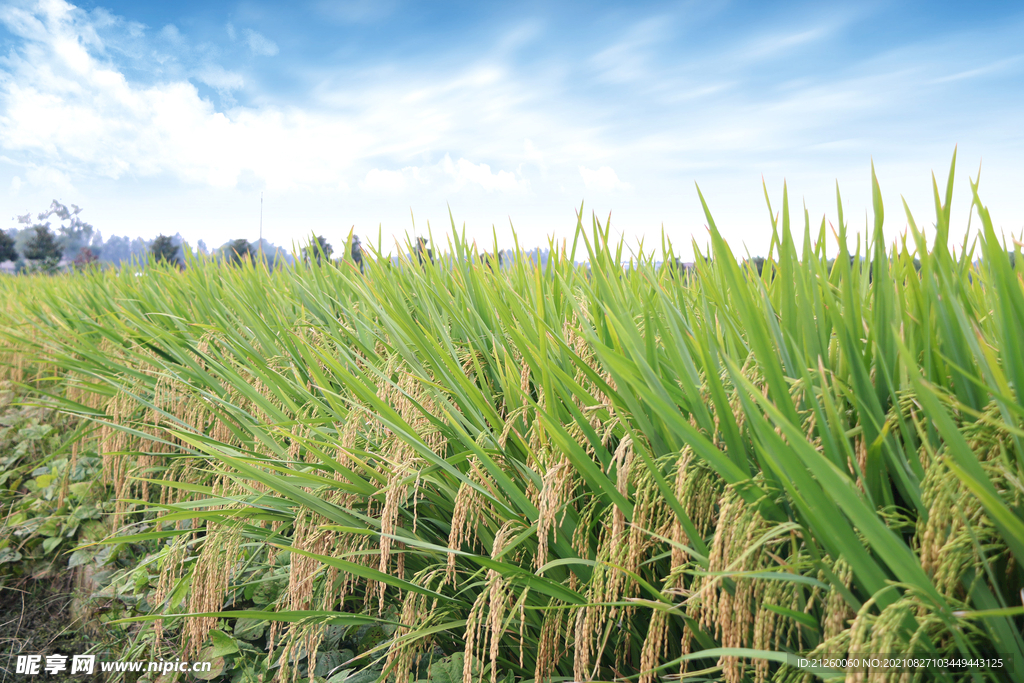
(571, 473)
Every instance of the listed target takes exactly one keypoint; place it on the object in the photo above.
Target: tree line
(59, 239)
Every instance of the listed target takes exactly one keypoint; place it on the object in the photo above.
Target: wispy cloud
(769, 46)
(631, 58)
(1000, 65)
(219, 78)
(259, 44)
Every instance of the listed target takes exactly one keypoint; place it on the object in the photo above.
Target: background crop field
(459, 471)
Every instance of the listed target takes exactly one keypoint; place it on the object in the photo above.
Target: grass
(565, 473)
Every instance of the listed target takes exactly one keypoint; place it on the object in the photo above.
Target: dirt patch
(36, 619)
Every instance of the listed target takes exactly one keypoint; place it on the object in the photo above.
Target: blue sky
(174, 117)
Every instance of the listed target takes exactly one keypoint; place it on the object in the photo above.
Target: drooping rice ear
(211, 576)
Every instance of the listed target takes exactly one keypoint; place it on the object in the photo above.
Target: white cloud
(465, 172)
(63, 107)
(535, 157)
(50, 179)
(379, 180)
(444, 176)
(70, 108)
(259, 44)
(219, 78)
(172, 35)
(603, 179)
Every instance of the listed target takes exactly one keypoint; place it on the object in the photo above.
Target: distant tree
(238, 251)
(96, 246)
(7, 250)
(421, 251)
(259, 250)
(537, 255)
(72, 234)
(23, 237)
(116, 249)
(43, 247)
(759, 263)
(86, 259)
(677, 267)
(164, 250)
(140, 249)
(357, 252)
(317, 250)
(492, 261)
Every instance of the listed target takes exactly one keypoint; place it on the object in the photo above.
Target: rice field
(561, 473)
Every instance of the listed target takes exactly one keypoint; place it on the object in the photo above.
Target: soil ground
(36, 619)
